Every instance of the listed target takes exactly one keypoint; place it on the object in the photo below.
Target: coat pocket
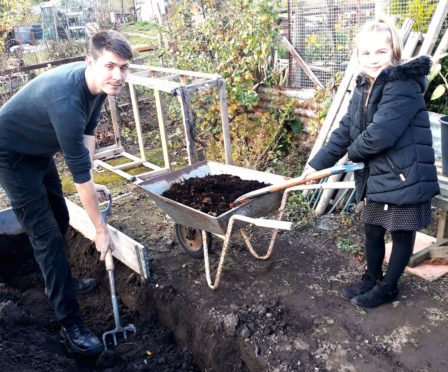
(397, 170)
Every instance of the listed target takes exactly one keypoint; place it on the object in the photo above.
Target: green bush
(235, 39)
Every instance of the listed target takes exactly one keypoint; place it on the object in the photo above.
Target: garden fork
(110, 271)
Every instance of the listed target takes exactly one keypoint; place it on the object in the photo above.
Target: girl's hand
(307, 171)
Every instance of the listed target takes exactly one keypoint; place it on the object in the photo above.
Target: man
(59, 110)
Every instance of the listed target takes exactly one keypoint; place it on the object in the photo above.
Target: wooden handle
(338, 168)
(109, 260)
(301, 180)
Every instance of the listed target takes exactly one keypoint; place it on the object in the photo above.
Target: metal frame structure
(179, 83)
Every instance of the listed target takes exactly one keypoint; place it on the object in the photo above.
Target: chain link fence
(322, 31)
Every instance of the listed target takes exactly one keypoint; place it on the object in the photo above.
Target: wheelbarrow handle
(263, 222)
(338, 168)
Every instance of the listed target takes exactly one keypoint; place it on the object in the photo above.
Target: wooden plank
(154, 83)
(187, 118)
(335, 107)
(138, 126)
(42, 65)
(425, 270)
(127, 250)
(197, 74)
(225, 121)
(411, 45)
(435, 26)
(436, 250)
(442, 228)
(441, 48)
(326, 194)
(108, 152)
(115, 119)
(406, 29)
(162, 129)
(300, 61)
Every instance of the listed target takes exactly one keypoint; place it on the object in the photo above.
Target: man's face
(107, 74)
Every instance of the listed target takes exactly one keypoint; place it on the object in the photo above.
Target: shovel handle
(109, 261)
(338, 168)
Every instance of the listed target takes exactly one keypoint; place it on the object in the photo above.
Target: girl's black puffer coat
(391, 135)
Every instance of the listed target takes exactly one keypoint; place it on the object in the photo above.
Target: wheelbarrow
(194, 228)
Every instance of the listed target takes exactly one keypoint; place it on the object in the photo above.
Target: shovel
(110, 271)
(338, 168)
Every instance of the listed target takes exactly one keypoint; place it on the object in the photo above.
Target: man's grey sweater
(53, 112)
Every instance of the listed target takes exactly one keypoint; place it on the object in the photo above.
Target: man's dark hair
(112, 41)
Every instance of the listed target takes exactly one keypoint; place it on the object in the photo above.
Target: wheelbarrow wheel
(190, 240)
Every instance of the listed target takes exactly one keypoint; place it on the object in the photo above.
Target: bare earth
(282, 314)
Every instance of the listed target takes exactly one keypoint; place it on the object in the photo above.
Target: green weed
(348, 246)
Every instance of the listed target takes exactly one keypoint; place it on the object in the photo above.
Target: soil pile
(213, 194)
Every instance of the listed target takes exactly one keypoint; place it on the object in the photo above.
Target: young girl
(386, 127)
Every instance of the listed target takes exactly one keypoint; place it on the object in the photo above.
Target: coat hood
(416, 69)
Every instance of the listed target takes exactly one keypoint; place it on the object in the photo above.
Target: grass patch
(141, 33)
(107, 178)
(142, 26)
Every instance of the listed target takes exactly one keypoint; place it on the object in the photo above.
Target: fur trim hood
(416, 69)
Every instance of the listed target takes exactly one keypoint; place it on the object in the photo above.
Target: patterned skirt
(397, 217)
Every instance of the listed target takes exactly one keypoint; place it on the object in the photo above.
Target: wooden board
(426, 271)
(127, 250)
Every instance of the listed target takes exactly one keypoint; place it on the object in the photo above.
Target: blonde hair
(383, 25)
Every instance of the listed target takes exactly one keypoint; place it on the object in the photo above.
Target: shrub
(236, 40)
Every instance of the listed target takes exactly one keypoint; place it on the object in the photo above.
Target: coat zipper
(365, 99)
(395, 169)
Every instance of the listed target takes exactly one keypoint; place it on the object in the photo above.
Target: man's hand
(89, 196)
(102, 192)
(103, 241)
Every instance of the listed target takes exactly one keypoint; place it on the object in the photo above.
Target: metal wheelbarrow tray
(184, 215)
(199, 224)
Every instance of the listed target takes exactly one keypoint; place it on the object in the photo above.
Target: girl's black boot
(380, 294)
(367, 282)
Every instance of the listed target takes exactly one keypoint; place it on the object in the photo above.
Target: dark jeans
(34, 189)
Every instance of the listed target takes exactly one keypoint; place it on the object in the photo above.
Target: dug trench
(281, 314)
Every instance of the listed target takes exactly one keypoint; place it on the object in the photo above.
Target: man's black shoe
(83, 286)
(81, 340)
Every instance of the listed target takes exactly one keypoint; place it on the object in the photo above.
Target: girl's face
(374, 52)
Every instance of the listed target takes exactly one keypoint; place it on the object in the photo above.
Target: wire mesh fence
(322, 31)
(52, 31)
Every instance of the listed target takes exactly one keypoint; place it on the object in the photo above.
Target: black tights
(402, 247)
